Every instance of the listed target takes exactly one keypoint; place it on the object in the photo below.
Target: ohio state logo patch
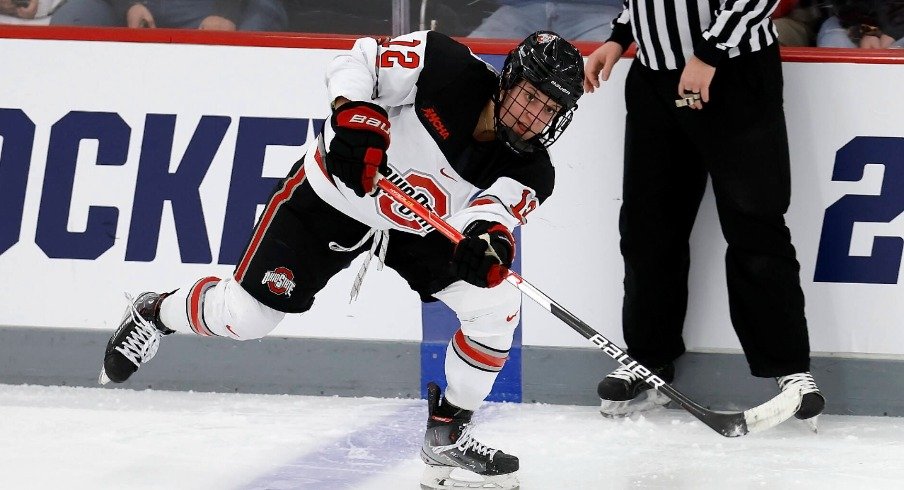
(280, 281)
(423, 189)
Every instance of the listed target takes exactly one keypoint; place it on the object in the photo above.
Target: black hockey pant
(740, 141)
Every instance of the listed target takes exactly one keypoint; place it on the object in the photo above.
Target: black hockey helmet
(552, 65)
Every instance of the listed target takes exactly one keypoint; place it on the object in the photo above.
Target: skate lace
(625, 374)
(142, 342)
(381, 240)
(802, 380)
(465, 443)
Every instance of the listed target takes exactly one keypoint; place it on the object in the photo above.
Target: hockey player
(467, 141)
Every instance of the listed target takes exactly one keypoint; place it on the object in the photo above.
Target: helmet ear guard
(556, 68)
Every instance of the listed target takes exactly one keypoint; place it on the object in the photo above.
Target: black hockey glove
(358, 150)
(484, 255)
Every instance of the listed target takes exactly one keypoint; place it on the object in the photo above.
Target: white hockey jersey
(434, 90)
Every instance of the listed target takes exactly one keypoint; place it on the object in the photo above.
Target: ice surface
(73, 438)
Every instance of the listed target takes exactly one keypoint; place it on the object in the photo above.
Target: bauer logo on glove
(358, 149)
(381, 124)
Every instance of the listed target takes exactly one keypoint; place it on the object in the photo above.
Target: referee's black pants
(740, 141)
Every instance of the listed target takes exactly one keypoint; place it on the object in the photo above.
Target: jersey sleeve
(621, 28)
(510, 199)
(732, 24)
(384, 72)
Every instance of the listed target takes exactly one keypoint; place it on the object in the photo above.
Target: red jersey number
(522, 209)
(405, 59)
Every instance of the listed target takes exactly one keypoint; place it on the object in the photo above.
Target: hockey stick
(729, 424)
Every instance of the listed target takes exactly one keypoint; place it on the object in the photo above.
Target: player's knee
(247, 317)
(254, 325)
(496, 314)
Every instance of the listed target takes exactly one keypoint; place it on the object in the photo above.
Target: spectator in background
(867, 24)
(30, 12)
(23, 9)
(582, 20)
(376, 17)
(86, 13)
(222, 15)
(798, 21)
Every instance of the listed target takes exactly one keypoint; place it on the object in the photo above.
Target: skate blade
(102, 378)
(647, 400)
(440, 477)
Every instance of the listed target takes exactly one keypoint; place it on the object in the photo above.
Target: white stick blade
(773, 412)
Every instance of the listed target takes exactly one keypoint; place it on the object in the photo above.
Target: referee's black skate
(136, 340)
(450, 447)
(812, 404)
(623, 392)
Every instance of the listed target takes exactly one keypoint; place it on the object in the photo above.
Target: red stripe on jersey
(196, 308)
(272, 207)
(481, 201)
(462, 343)
(318, 157)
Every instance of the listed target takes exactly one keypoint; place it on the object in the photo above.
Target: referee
(704, 99)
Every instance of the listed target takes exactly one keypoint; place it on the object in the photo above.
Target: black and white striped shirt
(669, 32)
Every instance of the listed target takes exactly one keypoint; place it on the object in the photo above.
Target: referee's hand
(600, 63)
(695, 79)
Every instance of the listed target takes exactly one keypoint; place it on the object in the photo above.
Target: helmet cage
(551, 131)
(554, 67)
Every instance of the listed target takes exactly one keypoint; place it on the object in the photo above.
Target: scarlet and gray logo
(546, 37)
(423, 189)
(280, 281)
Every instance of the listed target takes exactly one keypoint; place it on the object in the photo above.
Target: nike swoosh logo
(442, 170)
(511, 317)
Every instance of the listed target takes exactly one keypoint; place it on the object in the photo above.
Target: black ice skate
(136, 340)
(812, 403)
(624, 392)
(449, 446)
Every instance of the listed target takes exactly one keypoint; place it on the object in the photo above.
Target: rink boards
(133, 166)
